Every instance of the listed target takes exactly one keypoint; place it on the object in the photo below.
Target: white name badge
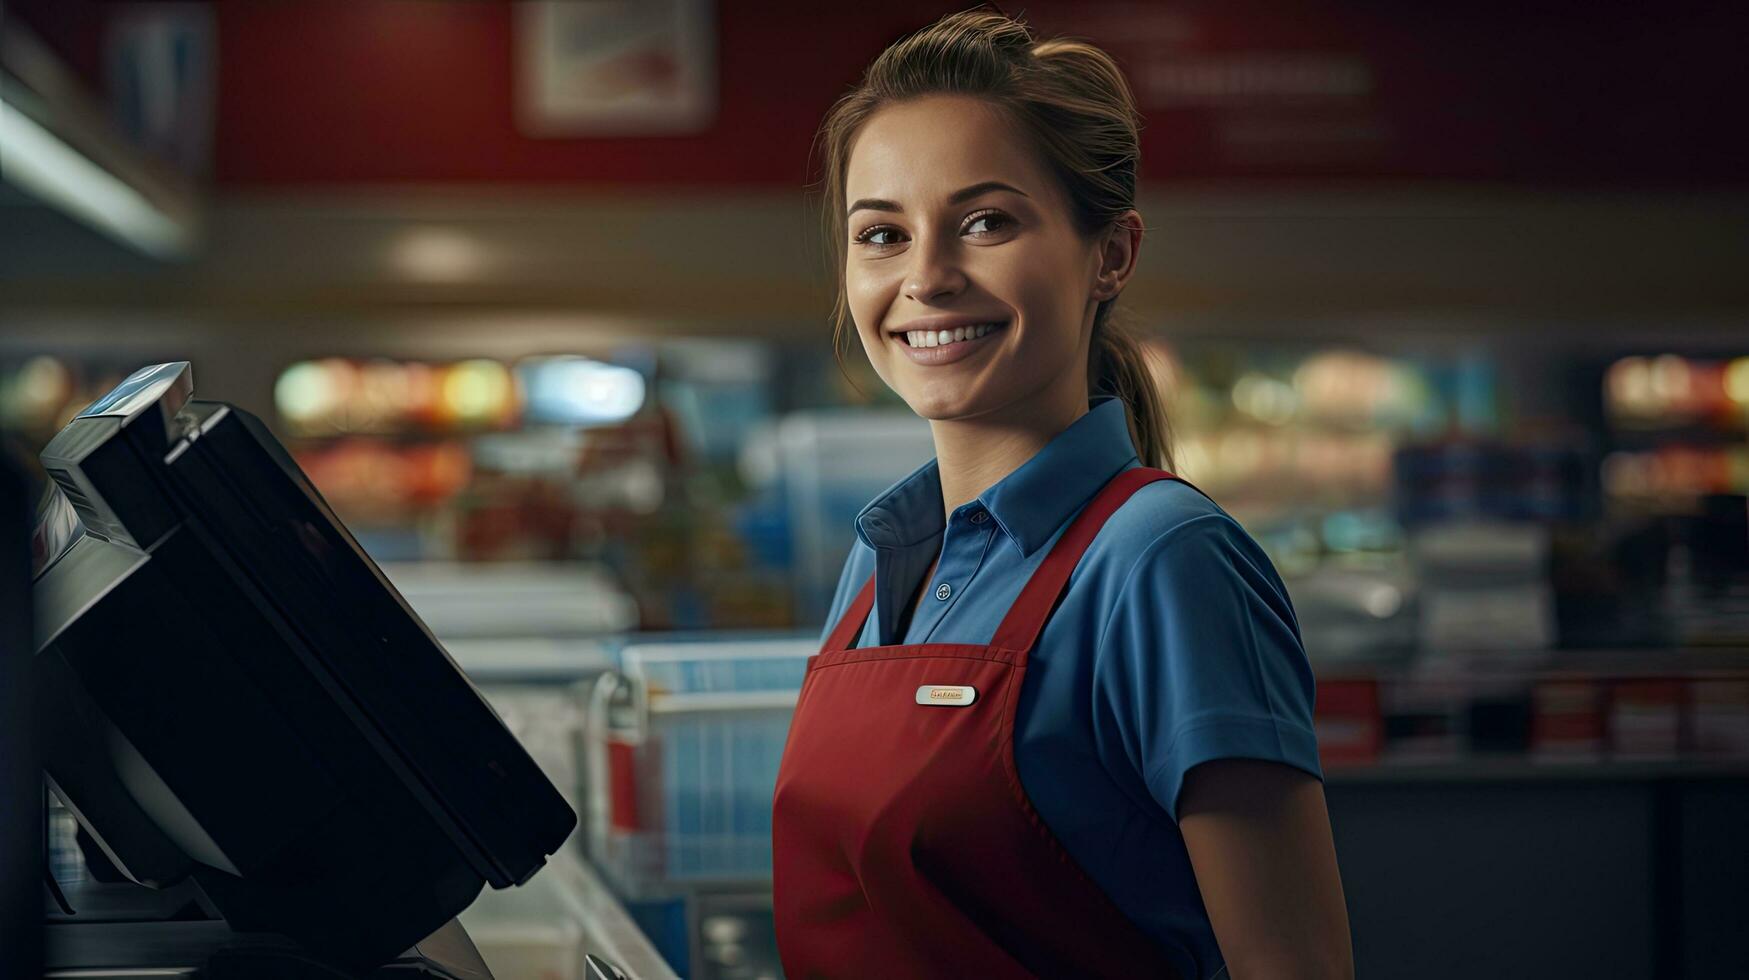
(946, 696)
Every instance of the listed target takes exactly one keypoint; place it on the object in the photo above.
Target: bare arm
(1259, 839)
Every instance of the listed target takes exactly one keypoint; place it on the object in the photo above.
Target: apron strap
(1026, 618)
(850, 624)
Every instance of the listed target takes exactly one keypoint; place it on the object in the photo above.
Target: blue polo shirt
(1174, 644)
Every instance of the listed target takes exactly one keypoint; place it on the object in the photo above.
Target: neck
(975, 454)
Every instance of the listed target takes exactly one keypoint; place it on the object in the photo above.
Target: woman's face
(971, 289)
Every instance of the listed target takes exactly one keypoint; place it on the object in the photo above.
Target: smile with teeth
(941, 338)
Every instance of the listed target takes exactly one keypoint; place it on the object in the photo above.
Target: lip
(948, 353)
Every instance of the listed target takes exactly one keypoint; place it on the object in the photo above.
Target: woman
(1061, 722)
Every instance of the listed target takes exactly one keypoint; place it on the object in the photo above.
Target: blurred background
(1451, 302)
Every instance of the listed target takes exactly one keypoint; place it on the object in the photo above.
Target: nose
(935, 273)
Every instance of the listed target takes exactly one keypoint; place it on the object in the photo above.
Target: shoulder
(1165, 521)
(1162, 507)
(1170, 541)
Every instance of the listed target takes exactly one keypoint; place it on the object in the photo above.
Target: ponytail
(1119, 365)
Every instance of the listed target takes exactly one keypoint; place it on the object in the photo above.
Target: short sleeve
(1201, 660)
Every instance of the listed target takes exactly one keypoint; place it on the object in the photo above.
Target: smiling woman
(1122, 779)
(957, 225)
(1042, 161)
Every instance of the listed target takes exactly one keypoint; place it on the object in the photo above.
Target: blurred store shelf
(513, 599)
(1511, 769)
(529, 659)
(1620, 661)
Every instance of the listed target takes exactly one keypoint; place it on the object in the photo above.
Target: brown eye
(870, 236)
(992, 221)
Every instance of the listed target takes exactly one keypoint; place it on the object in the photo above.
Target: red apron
(903, 844)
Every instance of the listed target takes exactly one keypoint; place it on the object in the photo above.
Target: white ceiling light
(436, 254)
(57, 147)
(36, 162)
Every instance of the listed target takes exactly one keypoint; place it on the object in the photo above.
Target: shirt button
(944, 591)
(980, 517)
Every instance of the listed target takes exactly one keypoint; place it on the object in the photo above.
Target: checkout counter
(273, 766)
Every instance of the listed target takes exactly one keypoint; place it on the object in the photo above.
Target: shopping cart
(683, 744)
(681, 749)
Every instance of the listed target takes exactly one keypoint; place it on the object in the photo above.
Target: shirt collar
(1029, 505)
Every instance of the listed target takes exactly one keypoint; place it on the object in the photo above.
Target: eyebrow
(960, 196)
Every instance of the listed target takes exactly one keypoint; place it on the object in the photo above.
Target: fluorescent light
(37, 161)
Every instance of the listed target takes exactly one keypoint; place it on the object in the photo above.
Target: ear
(1119, 246)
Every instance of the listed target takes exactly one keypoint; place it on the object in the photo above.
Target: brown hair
(1072, 99)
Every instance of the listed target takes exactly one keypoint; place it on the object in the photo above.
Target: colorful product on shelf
(1567, 720)
(1676, 471)
(372, 476)
(1645, 718)
(1349, 726)
(1668, 390)
(336, 396)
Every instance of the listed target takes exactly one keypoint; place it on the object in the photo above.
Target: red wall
(368, 91)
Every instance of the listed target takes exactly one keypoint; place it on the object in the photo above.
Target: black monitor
(21, 828)
(230, 691)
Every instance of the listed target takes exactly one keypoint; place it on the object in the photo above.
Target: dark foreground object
(230, 693)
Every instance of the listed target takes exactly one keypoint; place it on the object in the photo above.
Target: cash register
(276, 765)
